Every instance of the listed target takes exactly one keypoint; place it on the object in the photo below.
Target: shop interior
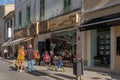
(64, 44)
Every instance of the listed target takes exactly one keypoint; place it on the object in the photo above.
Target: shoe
(20, 70)
(32, 71)
(23, 70)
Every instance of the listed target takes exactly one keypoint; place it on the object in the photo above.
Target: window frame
(20, 20)
(28, 14)
(67, 5)
(42, 8)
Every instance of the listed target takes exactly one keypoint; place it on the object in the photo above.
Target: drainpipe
(35, 38)
(80, 48)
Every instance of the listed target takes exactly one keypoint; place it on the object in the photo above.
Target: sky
(6, 2)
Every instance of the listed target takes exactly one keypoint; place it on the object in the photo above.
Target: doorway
(102, 58)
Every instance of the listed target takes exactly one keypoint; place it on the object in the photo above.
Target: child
(37, 59)
(59, 63)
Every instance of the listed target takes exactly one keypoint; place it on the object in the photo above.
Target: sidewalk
(68, 74)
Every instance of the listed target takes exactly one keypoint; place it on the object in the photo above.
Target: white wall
(21, 6)
(37, 10)
(8, 8)
(54, 8)
(12, 27)
(75, 4)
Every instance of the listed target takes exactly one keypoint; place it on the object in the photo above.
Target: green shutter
(27, 16)
(20, 20)
(41, 10)
(67, 5)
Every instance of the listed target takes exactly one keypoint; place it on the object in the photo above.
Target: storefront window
(118, 46)
(64, 44)
(102, 58)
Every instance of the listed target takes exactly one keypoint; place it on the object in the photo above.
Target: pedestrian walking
(31, 56)
(37, 59)
(46, 58)
(59, 63)
(21, 58)
(5, 53)
(52, 56)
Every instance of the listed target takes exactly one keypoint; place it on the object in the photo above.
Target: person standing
(37, 59)
(30, 57)
(52, 56)
(5, 53)
(21, 58)
(46, 58)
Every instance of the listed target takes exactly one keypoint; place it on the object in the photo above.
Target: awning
(17, 41)
(101, 22)
(7, 43)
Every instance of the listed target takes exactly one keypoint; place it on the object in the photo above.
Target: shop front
(64, 43)
(24, 36)
(43, 37)
(19, 37)
(102, 38)
(63, 35)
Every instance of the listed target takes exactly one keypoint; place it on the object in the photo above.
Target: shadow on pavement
(113, 75)
(65, 76)
(12, 68)
(95, 78)
(36, 73)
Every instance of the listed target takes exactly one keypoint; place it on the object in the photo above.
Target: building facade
(4, 10)
(25, 16)
(9, 26)
(58, 22)
(101, 33)
(46, 12)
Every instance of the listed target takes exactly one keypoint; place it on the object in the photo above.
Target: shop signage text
(21, 33)
(34, 30)
(62, 22)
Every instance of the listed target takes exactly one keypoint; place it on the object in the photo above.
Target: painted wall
(93, 9)
(52, 8)
(93, 45)
(4, 9)
(98, 4)
(85, 48)
(8, 8)
(12, 27)
(20, 5)
(117, 57)
(56, 7)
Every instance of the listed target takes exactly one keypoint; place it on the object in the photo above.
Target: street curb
(102, 70)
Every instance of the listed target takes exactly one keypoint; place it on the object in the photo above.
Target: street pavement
(8, 73)
(43, 74)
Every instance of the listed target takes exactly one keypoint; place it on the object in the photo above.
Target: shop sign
(63, 22)
(33, 29)
(25, 32)
(18, 34)
(43, 26)
(21, 33)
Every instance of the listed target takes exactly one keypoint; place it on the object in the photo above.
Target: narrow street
(7, 73)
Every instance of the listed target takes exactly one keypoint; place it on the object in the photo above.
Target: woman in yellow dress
(21, 58)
